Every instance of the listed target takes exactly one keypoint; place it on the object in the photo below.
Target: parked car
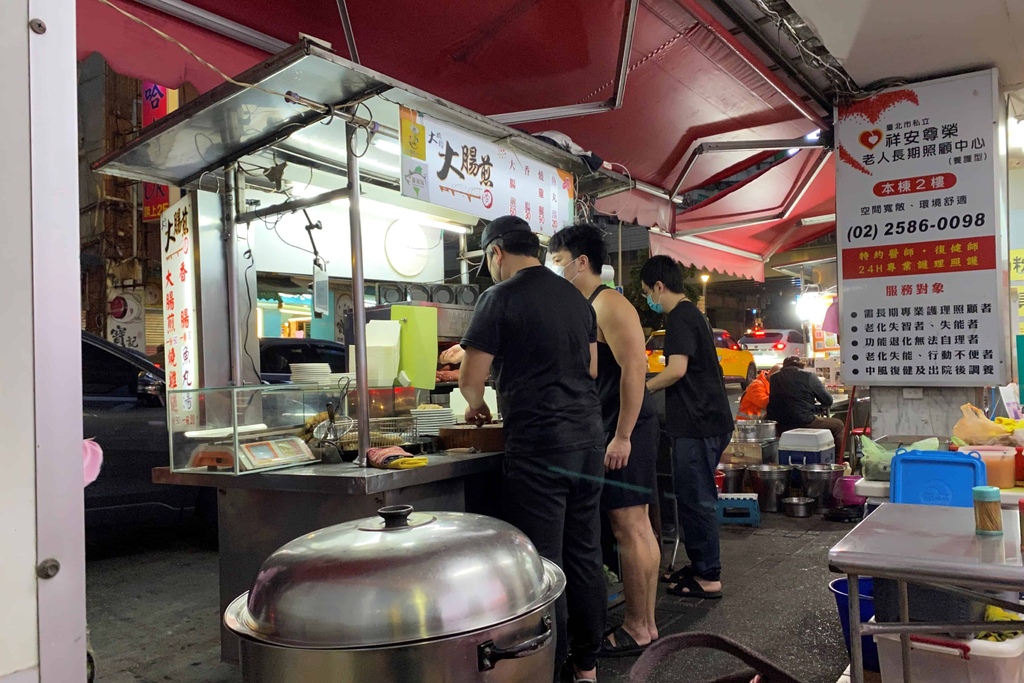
(771, 347)
(124, 410)
(278, 354)
(737, 363)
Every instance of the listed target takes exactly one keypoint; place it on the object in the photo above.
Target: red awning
(690, 81)
(686, 83)
(703, 257)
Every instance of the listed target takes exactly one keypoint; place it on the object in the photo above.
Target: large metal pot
(427, 597)
(819, 482)
(770, 483)
(754, 431)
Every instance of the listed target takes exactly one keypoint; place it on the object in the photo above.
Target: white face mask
(560, 271)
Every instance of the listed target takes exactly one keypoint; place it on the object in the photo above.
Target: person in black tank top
(631, 430)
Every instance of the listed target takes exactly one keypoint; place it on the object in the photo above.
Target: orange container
(1000, 465)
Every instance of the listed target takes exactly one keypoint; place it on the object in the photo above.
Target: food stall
(287, 158)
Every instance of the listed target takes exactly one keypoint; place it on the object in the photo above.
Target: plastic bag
(876, 461)
(978, 430)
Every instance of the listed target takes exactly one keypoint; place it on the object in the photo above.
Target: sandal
(625, 645)
(678, 575)
(689, 587)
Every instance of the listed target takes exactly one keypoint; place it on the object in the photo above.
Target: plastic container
(719, 480)
(942, 660)
(846, 491)
(1018, 461)
(872, 489)
(936, 478)
(840, 590)
(807, 447)
(1000, 465)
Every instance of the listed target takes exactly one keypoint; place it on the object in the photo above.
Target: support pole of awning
(293, 205)
(358, 295)
(229, 206)
(350, 36)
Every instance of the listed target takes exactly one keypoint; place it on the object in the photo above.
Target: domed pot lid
(398, 578)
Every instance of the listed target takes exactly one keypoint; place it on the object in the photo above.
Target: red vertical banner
(157, 102)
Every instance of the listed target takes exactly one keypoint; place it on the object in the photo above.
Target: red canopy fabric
(136, 51)
(707, 258)
(686, 85)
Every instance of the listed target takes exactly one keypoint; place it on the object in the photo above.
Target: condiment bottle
(988, 518)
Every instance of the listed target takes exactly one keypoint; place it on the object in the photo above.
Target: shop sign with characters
(920, 200)
(179, 296)
(460, 170)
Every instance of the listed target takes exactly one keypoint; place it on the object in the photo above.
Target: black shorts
(636, 483)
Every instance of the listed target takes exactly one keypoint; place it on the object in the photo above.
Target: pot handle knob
(488, 654)
(395, 516)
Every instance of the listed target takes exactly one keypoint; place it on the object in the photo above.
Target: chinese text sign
(459, 170)
(921, 235)
(181, 342)
(157, 102)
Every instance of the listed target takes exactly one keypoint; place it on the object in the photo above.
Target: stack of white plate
(311, 373)
(429, 422)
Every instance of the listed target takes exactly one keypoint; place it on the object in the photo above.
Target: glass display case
(239, 430)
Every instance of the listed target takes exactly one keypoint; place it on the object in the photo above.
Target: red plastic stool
(861, 431)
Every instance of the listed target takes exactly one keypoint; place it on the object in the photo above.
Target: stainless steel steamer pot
(754, 431)
(428, 597)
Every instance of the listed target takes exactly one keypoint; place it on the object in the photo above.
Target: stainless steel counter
(342, 478)
(260, 512)
(934, 546)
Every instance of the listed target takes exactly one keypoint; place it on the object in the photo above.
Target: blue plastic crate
(936, 478)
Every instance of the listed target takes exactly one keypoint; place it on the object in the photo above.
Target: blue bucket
(841, 592)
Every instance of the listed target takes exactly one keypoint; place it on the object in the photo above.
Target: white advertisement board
(181, 344)
(921, 222)
(126, 319)
(460, 170)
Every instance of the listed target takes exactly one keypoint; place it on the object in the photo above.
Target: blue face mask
(654, 306)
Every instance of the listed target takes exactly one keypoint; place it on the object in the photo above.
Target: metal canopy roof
(232, 121)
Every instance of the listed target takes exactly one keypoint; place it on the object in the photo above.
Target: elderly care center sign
(921, 235)
(460, 170)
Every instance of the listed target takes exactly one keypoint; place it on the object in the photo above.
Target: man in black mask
(540, 337)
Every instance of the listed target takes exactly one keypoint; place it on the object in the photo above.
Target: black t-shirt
(539, 329)
(697, 406)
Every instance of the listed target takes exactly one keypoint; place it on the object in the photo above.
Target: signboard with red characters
(157, 102)
(921, 222)
(460, 170)
(181, 342)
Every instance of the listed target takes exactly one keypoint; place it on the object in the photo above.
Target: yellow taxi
(737, 363)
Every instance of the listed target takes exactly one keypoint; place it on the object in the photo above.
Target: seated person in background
(794, 398)
(754, 401)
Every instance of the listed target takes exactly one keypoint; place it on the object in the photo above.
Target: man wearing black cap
(540, 337)
(794, 398)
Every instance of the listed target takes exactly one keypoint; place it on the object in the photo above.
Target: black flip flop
(693, 589)
(625, 645)
(676, 576)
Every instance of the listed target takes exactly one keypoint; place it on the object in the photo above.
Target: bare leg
(641, 559)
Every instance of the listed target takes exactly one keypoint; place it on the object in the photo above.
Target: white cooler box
(961, 661)
(807, 447)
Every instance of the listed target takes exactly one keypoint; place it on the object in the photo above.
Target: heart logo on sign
(870, 138)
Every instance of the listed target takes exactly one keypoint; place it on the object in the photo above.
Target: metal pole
(463, 263)
(905, 637)
(856, 646)
(358, 306)
(292, 205)
(350, 36)
(227, 200)
(621, 282)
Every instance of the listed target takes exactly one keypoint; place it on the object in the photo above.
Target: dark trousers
(694, 461)
(555, 500)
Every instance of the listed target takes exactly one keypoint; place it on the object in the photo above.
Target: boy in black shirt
(699, 420)
(540, 337)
